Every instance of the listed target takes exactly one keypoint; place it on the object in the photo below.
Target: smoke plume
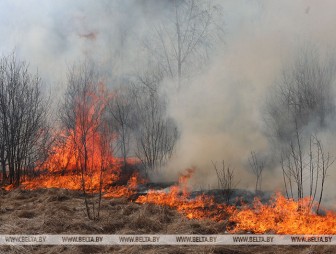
(219, 110)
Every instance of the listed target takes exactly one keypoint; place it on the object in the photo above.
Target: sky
(220, 112)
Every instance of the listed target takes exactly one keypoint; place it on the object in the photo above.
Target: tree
(299, 166)
(155, 133)
(121, 110)
(226, 181)
(257, 167)
(303, 95)
(24, 125)
(82, 115)
(177, 42)
(300, 105)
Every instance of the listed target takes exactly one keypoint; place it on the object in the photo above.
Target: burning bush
(88, 133)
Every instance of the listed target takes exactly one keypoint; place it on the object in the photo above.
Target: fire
(282, 216)
(279, 216)
(70, 181)
(124, 191)
(100, 170)
(62, 157)
(178, 197)
(83, 153)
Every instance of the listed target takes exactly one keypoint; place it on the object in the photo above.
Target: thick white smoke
(219, 111)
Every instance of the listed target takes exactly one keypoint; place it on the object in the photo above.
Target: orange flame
(124, 191)
(178, 197)
(279, 216)
(282, 216)
(66, 157)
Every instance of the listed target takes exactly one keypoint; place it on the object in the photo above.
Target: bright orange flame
(279, 216)
(84, 150)
(124, 191)
(70, 181)
(68, 158)
(282, 216)
(178, 197)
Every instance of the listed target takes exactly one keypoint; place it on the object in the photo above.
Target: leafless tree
(257, 167)
(155, 132)
(300, 166)
(121, 110)
(185, 35)
(23, 120)
(324, 161)
(303, 95)
(82, 115)
(299, 107)
(226, 181)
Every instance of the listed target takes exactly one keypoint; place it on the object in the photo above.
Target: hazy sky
(50, 34)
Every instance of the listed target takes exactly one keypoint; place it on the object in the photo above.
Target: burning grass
(172, 211)
(83, 159)
(282, 216)
(279, 216)
(178, 197)
(61, 211)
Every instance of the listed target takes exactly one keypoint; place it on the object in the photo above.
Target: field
(59, 211)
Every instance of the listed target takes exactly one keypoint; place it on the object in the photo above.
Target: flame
(282, 216)
(279, 216)
(124, 191)
(62, 167)
(178, 197)
(70, 181)
(62, 156)
(61, 170)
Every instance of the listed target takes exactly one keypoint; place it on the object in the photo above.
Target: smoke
(52, 35)
(219, 111)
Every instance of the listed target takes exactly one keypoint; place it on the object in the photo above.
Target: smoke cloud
(219, 112)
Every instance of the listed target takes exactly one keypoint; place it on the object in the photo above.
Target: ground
(59, 211)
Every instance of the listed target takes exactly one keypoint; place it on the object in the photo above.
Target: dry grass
(56, 211)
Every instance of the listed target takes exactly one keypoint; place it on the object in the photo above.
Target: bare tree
(23, 119)
(300, 166)
(303, 95)
(186, 35)
(121, 110)
(82, 115)
(155, 132)
(300, 104)
(226, 181)
(324, 161)
(257, 167)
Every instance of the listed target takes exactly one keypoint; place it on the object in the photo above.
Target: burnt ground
(57, 211)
